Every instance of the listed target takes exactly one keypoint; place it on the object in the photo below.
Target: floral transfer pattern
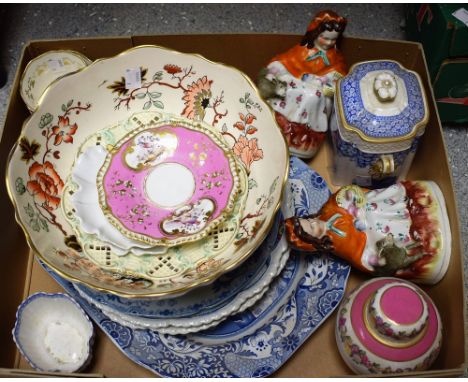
(360, 356)
(72, 260)
(44, 184)
(197, 96)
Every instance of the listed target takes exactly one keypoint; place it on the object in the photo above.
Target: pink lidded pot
(388, 325)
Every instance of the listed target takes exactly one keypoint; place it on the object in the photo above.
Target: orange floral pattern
(63, 131)
(45, 185)
(247, 150)
(197, 98)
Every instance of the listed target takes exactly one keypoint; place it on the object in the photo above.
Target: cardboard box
(21, 276)
(444, 38)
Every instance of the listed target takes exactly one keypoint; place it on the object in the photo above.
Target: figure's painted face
(314, 227)
(327, 39)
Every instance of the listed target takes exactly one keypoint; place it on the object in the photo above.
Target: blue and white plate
(261, 339)
(305, 192)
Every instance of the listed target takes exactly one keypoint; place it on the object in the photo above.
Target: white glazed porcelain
(380, 115)
(53, 333)
(79, 105)
(86, 203)
(388, 325)
(45, 69)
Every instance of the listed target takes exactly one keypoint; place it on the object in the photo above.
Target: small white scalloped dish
(53, 333)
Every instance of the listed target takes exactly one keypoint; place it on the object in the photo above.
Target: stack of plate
(152, 182)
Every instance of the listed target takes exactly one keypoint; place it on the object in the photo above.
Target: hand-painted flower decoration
(197, 98)
(64, 131)
(245, 123)
(247, 150)
(385, 87)
(45, 185)
(172, 69)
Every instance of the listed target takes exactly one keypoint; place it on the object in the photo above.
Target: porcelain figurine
(299, 84)
(402, 230)
(381, 113)
(388, 325)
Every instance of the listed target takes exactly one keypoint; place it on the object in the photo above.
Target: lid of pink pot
(390, 303)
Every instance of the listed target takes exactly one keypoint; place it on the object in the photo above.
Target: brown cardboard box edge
(248, 53)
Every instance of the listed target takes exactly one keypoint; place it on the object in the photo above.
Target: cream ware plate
(45, 69)
(80, 104)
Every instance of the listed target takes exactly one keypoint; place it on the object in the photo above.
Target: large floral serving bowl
(185, 85)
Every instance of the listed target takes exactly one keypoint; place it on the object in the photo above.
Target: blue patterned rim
(356, 115)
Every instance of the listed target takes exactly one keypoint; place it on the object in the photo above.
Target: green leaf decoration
(239, 235)
(70, 103)
(270, 202)
(64, 107)
(45, 120)
(44, 225)
(241, 100)
(29, 210)
(157, 76)
(155, 95)
(259, 200)
(35, 225)
(19, 186)
(141, 95)
(147, 105)
(273, 186)
(252, 183)
(158, 104)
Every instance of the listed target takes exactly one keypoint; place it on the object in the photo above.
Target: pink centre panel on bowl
(167, 182)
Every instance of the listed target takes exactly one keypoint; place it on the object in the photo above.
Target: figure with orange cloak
(300, 83)
(400, 231)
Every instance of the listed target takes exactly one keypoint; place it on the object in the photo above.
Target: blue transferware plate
(317, 284)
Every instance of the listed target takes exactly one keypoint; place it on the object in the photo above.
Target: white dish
(53, 333)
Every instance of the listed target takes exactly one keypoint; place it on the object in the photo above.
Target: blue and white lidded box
(380, 115)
